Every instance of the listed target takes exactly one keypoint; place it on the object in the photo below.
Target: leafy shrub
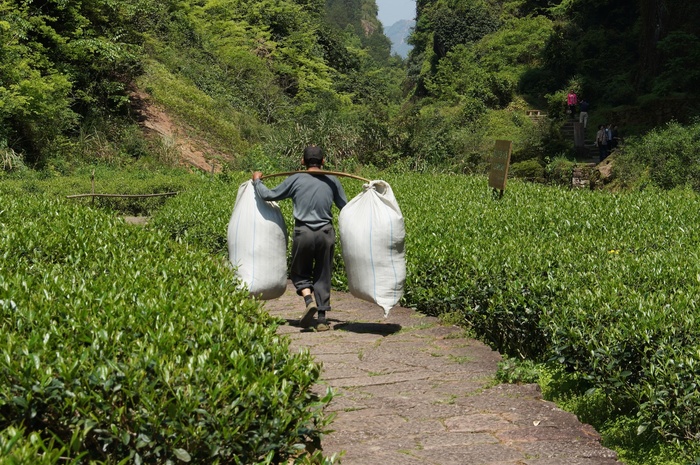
(603, 284)
(559, 171)
(11, 160)
(668, 155)
(200, 216)
(19, 448)
(530, 170)
(121, 345)
(514, 371)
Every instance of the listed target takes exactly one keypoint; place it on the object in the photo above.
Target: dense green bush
(605, 285)
(200, 216)
(559, 171)
(122, 345)
(530, 170)
(19, 448)
(666, 156)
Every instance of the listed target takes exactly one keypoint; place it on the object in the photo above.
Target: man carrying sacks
(313, 243)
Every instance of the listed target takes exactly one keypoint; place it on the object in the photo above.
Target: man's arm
(339, 195)
(278, 193)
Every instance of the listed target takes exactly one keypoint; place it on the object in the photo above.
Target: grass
(461, 359)
(617, 429)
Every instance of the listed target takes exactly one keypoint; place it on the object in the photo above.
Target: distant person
(571, 101)
(583, 113)
(614, 139)
(313, 244)
(608, 134)
(601, 141)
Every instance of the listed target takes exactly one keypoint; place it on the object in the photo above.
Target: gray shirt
(313, 197)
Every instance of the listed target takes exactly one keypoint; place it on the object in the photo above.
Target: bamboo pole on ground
(120, 195)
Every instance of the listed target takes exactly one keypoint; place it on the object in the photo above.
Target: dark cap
(313, 155)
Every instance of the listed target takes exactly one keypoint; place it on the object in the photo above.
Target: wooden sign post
(500, 160)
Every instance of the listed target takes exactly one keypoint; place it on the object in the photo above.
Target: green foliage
(542, 273)
(200, 216)
(665, 157)
(515, 371)
(476, 81)
(11, 160)
(600, 283)
(225, 70)
(530, 170)
(107, 180)
(360, 17)
(528, 137)
(679, 74)
(62, 62)
(559, 171)
(459, 23)
(603, 286)
(620, 431)
(445, 138)
(19, 448)
(222, 125)
(121, 345)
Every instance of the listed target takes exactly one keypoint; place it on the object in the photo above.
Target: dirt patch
(136, 220)
(192, 151)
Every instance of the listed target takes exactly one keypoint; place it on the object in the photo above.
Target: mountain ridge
(398, 34)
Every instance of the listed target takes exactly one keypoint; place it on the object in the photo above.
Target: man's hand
(257, 175)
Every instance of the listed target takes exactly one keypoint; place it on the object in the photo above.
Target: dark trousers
(603, 151)
(312, 262)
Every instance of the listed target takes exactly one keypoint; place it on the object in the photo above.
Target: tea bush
(605, 284)
(107, 180)
(122, 345)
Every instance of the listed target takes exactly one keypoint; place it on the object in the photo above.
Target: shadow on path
(383, 329)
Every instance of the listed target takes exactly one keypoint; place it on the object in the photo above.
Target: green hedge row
(120, 345)
(606, 284)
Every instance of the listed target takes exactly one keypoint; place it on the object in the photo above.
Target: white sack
(372, 235)
(257, 244)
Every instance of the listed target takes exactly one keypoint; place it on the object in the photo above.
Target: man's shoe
(308, 316)
(322, 327)
(322, 324)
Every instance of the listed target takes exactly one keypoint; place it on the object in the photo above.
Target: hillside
(260, 79)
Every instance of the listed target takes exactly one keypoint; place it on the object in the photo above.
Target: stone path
(412, 391)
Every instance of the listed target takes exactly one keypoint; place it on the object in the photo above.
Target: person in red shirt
(571, 101)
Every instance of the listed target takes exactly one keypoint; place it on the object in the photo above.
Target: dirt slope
(193, 151)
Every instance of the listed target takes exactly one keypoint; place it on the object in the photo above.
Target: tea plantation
(124, 343)
(120, 345)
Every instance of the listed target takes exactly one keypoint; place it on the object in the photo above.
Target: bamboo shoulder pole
(318, 173)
